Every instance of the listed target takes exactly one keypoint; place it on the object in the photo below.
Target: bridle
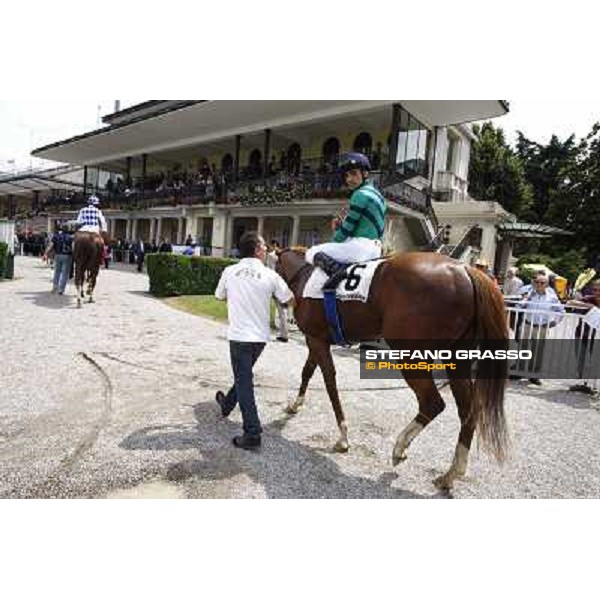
(301, 270)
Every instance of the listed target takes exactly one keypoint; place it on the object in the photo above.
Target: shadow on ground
(561, 395)
(283, 468)
(49, 300)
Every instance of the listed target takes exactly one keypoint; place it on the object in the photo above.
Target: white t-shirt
(248, 287)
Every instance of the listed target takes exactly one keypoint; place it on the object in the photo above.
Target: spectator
(62, 243)
(539, 305)
(512, 284)
(106, 255)
(139, 251)
(164, 245)
(282, 310)
(585, 336)
(247, 287)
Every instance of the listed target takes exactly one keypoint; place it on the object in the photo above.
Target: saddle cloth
(355, 287)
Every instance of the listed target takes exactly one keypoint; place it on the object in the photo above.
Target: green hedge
(175, 275)
(3, 255)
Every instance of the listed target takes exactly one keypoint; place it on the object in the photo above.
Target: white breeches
(92, 228)
(351, 250)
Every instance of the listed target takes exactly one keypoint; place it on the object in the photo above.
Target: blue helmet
(354, 160)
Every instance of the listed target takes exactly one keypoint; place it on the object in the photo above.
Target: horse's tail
(490, 375)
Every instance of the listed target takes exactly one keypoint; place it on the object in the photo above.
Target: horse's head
(291, 261)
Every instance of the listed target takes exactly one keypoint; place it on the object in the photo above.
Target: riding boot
(332, 283)
(328, 264)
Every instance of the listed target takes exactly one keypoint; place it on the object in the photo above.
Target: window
(363, 143)
(413, 146)
(331, 151)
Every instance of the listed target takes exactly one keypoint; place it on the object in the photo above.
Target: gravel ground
(116, 400)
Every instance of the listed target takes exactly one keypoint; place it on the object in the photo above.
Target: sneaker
(246, 442)
(220, 399)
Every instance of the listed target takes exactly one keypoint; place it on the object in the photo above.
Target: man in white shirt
(248, 286)
(542, 311)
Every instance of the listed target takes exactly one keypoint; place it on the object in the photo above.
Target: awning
(25, 183)
(530, 230)
(198, 123)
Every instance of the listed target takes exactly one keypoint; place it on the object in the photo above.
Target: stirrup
(332, 283)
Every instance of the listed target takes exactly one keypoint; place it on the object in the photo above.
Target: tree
(575, 204)
(545, 168)
(496, 172)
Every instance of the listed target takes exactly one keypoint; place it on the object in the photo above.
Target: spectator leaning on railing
(543, 310)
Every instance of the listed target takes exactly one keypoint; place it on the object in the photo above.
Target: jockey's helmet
(94, 200)
(354, 160)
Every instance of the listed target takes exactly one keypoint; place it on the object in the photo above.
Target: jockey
(358, 234)
(91, 217)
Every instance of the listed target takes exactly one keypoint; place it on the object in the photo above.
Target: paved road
(116, 400)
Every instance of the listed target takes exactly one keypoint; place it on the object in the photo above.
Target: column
(261, 225)
(134, 230)
(488, 242)
(393, 148)
(267, 151)
(191, 227)
(152, 230)
(128, 180)
(295, 230)
(158, 228)
(85, 181)
(219, 234)
(229, 234)
(128, 230)
(143, 183)
(180, 230)
(236, 159)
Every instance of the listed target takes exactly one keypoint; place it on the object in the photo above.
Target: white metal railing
(576, 356)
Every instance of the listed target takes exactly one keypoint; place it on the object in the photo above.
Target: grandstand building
(213, 169)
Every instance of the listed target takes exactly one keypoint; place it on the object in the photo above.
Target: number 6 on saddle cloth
(357, 279)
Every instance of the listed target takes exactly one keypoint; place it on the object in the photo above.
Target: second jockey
(91, 218)
(358, 235)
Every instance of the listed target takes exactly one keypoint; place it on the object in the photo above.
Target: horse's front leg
(321, 351)
(307, 372)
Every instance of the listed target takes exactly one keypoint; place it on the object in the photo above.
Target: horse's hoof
(290, 409)
(341, 446)
(398, 458)
(443, 482)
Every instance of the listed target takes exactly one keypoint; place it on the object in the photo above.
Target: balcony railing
(312, 179)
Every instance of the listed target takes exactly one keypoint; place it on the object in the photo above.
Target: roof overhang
(530, 230)
(38, 181)
(203, 122)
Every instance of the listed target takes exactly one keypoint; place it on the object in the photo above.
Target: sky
(30, 123)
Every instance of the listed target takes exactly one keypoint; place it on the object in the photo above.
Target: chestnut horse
(415, 296)
(87, 256)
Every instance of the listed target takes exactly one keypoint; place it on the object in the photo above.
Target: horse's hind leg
(463, 394)
(321, 354)
(430, 406)
(78, 285)
(307, 372)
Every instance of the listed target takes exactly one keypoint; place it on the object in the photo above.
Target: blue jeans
(243, 356)
(62, 267)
